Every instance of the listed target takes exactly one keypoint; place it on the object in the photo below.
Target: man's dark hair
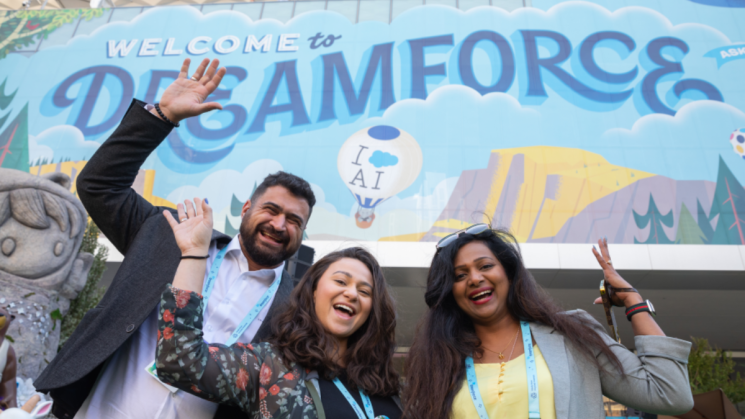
(296, 185)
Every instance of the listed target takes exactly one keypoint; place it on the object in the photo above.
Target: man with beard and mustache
(102, 370)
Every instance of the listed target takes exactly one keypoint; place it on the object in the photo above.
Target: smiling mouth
(345, 310)
(481, 296)
(272, 238)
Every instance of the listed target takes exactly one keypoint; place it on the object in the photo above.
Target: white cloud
(62, 142)
(37, 151)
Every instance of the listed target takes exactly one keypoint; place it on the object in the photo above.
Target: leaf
(10, 339)
(29, 294)
(56, 315)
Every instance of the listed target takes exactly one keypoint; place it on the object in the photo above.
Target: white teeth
(345, 308)
(481, 294)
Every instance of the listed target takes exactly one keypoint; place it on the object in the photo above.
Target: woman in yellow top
(494, 345)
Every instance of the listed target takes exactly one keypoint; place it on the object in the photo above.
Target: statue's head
(41, 228)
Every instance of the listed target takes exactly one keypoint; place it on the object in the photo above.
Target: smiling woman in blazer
(331, 355)
(494, 345)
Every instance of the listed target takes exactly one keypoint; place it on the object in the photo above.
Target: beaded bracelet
(162, 115)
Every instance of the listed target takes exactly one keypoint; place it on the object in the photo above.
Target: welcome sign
(561, 123)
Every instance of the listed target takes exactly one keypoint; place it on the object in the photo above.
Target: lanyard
(365, 401)
(209, 284)
(533, 406)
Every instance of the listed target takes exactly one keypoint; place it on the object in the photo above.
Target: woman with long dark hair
(494, 345)
(331, 354)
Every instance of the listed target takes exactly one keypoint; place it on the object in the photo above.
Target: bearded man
(104, 369)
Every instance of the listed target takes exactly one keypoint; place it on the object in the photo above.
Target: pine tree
(229, 229)
(703, 223)
(688, 230)
(91, 294)
(655, 220)
(729, 204)
(236, 206)
(14, 143)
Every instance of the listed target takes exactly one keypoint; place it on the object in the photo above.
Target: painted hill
(533, 191)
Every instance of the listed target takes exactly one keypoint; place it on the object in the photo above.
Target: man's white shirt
(125, 390)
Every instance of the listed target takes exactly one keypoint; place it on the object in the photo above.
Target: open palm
(193, 231)
(185, 97)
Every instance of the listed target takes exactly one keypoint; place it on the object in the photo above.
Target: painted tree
(688, 230)
(655, 220)
(729, 205)
(704, 223)
(20, 28)
(14, 142)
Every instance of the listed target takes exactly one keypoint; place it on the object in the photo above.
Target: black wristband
(162, 115)
(637, 308)
(194, 257)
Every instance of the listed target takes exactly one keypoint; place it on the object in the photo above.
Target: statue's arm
(8, 384)
(105, 184)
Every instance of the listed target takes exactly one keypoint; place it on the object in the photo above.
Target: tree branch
(15, 35)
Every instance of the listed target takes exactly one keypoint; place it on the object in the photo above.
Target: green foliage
(688, 230)
(655, 220)
(91, 293)
(22, 28)
(710, 369)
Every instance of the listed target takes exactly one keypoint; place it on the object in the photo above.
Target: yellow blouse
(504, 390)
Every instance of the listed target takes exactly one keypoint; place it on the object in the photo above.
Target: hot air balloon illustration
(737, 139)
(377, 163)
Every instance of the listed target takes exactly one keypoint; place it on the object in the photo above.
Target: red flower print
(289, 376)
(168, 316)
(262, 393)
(274, 390)
(195, 389)
(214, 349)
(168, 333)
(182, 298)
(265, 375)
(241, 379)
(158, 335)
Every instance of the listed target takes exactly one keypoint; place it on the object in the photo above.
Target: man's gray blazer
(141, 233)
(656, 378)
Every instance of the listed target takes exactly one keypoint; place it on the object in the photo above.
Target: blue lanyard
(533, 406)
(209, 284)
(365, 401)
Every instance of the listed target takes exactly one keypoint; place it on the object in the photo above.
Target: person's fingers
(600, 259)
(598, 300)
(171, 221)
(214, 82)
(604, 248)
(181, 212)
(200, 70)
(198, 206)
(210, 72)
(184, 69)
(189, 208)
(209, 106)
(207, 210)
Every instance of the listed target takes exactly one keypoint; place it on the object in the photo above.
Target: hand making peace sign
(612, 277)
(185, 96)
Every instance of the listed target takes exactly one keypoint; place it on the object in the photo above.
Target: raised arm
(656, 377)
(105, 184)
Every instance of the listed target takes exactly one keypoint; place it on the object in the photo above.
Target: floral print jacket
(252, 377)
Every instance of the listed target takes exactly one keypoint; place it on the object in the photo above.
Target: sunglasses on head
(473, 230)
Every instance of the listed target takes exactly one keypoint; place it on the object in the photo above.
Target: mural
(562, 122)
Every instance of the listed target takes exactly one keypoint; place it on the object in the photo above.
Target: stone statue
(7, 364)
(41, 229)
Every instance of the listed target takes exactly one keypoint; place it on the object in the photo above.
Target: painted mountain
(563, 195)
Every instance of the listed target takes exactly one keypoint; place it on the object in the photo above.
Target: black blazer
(141, 233)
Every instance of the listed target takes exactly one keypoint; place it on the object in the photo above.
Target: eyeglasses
(473, 230)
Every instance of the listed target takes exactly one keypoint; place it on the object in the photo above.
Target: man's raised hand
(185, 97)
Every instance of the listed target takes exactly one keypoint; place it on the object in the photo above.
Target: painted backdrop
(563, 122)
